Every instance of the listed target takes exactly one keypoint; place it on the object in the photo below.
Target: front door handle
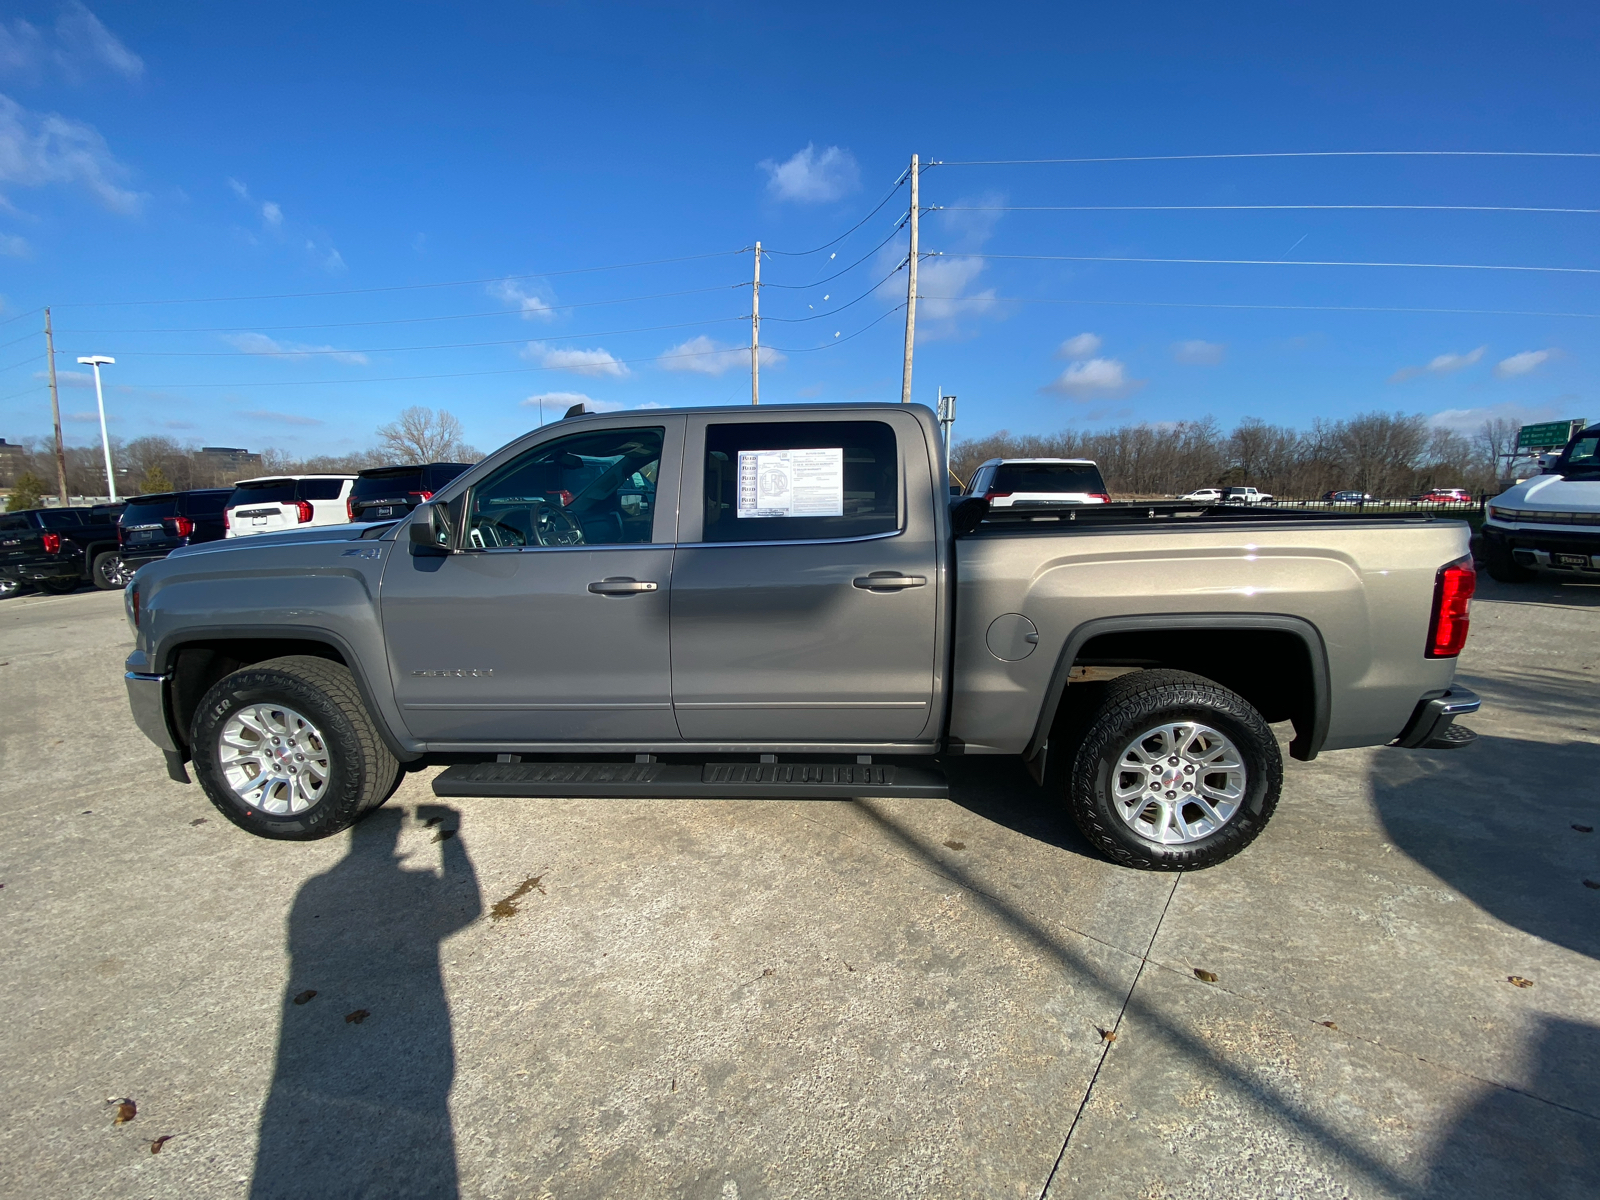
(889, 581)
(623, 586)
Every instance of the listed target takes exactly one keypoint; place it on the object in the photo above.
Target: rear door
(806, 595)
(548, 623)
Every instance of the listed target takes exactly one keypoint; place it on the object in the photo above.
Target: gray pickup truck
(783, 601)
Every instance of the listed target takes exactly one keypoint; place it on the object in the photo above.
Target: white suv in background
(280, 502)
(1025, 482)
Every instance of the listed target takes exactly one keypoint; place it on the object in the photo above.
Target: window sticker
(791, 483)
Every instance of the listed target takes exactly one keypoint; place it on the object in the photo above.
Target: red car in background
(1448, 496)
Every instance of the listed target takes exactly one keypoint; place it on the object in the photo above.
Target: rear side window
(320, 489)
(268, 491)
(389, 484)
(800, 481)
(204, 504)
(1047, 477)
(145, 512)
(66, 518)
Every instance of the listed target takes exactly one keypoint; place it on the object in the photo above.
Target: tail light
(227, 518)
(421, 496)
(177, 526)
(1100, 496)
(1452, 598)
(303, 508)
(995, 495)
(121, 534)
(52, 543)
(350, 509)
(564, 496)
(133, 604)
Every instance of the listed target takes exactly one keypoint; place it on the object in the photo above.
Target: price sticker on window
(791, 483)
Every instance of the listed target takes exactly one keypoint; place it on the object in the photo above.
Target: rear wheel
(285, 749)
(58, 585)
(1502, 567)
(110, 572)
(1174, 772)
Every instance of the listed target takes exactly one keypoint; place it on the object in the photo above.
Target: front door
(548, 620)
(805, 608)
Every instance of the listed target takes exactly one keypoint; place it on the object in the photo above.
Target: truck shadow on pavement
(359, 1098)
(999, 789)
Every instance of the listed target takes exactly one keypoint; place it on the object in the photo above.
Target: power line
(839, 341)
(801, 287)
(1475, 312)
(847, 232)
(23, 363)
(1273, 262)
(1130, 158)
(1256, 208)
(334, 351)
(836, 311)
(499, 312)
(20, 315)
(24, 338)
(405, 287)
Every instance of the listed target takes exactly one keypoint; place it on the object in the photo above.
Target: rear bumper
(27, 572)
(1430, 724)
(147, 699)
(139, 558)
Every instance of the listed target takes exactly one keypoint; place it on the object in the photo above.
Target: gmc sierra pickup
(783, 601)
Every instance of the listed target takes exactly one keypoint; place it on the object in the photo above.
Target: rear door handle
(623, 586)
(889, 581)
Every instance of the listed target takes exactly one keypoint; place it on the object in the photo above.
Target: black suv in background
(58, 548)
(389, 493)
(154, 526)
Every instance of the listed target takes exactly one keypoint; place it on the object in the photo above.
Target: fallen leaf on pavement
(956, 845)
(1106, 1035)
(198, 821)
(127, 1110)
(432, 821)
(1518, 981)
(1327, 1024)
(1205, 976)
(305, 996)
(155, 1146)
(355, 1018)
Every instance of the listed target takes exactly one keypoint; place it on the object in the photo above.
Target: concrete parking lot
(764, 999)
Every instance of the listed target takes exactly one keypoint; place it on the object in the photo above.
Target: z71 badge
(458, 673)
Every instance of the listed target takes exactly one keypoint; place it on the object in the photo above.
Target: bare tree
(422, 435)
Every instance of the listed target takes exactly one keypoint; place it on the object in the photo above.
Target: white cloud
(706, 356)
(1521, 364)
(1197, 353)
(13, 246)
(1096, 377)
(80, 379)
(1440, 364)
(239, 189)
(811, 178)
(1082, 345)
(581, 362)
(282, 418)
(555, 404)
(531, 301)
(1470, 420)
(272, 214)
(942, 289)
(44, 148)
(90, 417)
(82, 48)
(260, 343)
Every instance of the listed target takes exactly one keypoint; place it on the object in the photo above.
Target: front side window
(589, 489)
(800, 481)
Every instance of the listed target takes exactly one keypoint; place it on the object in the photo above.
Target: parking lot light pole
(97, 361)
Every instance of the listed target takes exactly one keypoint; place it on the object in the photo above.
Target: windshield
(146, 510)
(1047, 477)
(1582, 458)
(395, 483)
(268, 491)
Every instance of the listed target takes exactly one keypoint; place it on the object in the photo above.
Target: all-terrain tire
(107, 572)
(362, 772)
(1145, 700)
(1502, 567)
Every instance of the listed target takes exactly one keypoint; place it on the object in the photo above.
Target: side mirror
(430, 532)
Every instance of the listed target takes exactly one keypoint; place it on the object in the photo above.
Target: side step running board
(708, 781)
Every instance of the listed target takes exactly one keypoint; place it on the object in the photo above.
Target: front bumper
(1432, 725)
(1548, 548)
(147, 699)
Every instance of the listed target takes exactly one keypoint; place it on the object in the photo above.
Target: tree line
(1389, 455)
(160, 464)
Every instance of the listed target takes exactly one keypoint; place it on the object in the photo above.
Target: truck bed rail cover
(689, 780)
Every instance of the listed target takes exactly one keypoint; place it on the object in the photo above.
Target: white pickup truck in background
(1550, 522)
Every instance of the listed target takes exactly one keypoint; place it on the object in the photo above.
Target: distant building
(229, 456)
(12, 457)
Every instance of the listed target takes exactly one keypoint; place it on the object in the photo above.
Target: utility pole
(911, 293)
(755, 332)
(55, 410)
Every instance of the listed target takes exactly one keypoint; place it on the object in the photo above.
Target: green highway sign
(1549, 435)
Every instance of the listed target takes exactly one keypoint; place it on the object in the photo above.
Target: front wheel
(285, 749)
(1174, 772)
(1502, 567)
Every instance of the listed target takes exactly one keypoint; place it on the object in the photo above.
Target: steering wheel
(554, 526)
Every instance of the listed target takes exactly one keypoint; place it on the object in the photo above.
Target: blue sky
(362, 198)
